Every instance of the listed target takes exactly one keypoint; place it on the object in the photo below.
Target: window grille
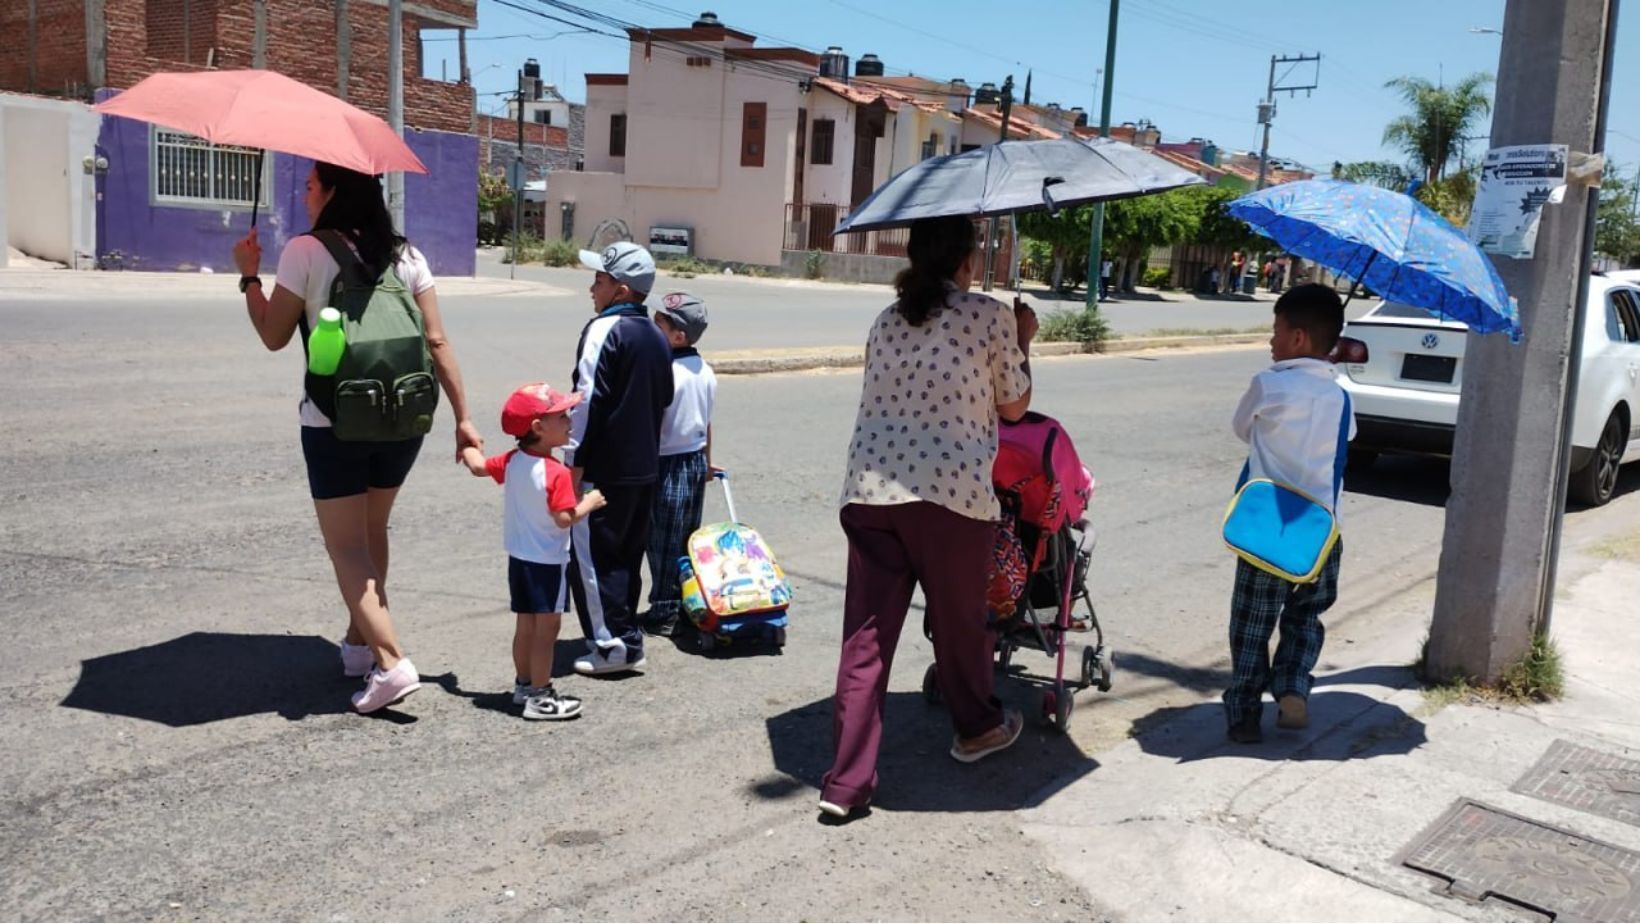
(193, 171)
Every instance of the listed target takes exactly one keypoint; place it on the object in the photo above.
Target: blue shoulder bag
(1281, 530)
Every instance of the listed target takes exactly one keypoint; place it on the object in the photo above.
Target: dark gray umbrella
(1017, 176)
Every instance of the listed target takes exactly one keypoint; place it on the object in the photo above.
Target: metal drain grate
(1583, 778)
(1484, 852)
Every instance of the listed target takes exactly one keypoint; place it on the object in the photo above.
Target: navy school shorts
(537, 588)
(340, 469)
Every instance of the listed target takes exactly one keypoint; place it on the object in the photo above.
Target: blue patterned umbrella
(1389, 242)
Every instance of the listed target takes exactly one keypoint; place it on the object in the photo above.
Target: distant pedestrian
(1213, 280)
(624, 367)
(540, 507)
(686, 457)
(1291, 418)
(942, 365)
(1106, 267)
(354, 483)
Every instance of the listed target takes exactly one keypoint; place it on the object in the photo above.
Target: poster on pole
(1516, 182)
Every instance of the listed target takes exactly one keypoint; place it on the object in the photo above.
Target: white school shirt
(1289, 418)
(307, 269)
(534, 486)
(694, 392)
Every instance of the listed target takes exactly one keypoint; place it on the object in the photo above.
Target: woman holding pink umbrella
(354, 484)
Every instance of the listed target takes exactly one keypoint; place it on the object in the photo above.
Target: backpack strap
(1343, 451)
(351, 267)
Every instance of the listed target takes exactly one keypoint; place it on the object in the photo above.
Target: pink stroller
(1040, 571)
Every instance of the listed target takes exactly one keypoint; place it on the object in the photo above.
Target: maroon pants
(891, 549)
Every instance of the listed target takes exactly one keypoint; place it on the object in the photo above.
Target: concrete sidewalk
(1179, 824)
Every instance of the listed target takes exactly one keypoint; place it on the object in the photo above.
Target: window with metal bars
(192, 171)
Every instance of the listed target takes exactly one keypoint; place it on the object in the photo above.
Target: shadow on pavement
(212, 676)
(1423, 480)
(1343, 726)
(915, 770)
(1198, 679)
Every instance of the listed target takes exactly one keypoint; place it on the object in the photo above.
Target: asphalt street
(179, 745)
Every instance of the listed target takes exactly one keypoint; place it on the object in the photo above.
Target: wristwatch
(245, 282)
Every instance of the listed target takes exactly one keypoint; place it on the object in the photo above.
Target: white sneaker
(356, 659)
(600, 662)
(547, 703)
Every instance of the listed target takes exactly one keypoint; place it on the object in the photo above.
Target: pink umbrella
(263, 109)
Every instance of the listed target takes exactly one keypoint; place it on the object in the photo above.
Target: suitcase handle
(722, 476)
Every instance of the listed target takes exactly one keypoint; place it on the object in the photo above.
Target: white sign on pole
(1516, 182)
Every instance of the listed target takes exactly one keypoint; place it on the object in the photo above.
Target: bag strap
(1343, 456)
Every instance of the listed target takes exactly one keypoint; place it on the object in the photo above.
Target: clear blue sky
(1194, 67)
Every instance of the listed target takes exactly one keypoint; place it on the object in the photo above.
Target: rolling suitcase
(733, 588)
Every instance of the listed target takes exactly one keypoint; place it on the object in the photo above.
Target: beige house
(752, 154)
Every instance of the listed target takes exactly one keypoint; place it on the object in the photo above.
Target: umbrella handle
(256, 194)
(1359, 278)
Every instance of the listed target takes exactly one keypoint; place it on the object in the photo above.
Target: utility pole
(1267, 106)
(518, 183)
(1495, 587)
(395, 104)
(1006, 109)
(1096, 236)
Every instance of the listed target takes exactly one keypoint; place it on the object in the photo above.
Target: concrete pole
(259, 34)
(1496, 579)
(395, 104)
(518, 185)
(344, 49)
(1096, 239)
(1266, 115)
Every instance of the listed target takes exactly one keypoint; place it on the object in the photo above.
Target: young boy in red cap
(540, 508)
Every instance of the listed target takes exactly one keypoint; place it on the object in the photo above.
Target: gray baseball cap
(686, 311)
(626, 262)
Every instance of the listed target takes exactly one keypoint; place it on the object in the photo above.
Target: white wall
(50, 201)
(830, 183)
(603, 102)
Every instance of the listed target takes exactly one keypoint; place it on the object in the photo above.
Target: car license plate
(1421, 368)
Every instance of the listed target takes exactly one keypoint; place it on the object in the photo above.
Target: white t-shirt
(694, 391)
(535, 486)
(1290, 418)
(307, 269)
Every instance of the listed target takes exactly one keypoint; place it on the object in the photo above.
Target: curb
(740, 363)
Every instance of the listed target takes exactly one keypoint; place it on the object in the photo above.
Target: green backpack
(383, 389)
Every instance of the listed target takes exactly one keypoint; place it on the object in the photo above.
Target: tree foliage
(1067, 236)
(1441, 116)
(1134, 226)
(1617, 234)
(494, 194)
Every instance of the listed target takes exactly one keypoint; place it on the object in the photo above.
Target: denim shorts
(537, 588)
(339, 469)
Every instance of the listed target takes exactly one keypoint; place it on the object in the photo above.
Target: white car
(1403, 369)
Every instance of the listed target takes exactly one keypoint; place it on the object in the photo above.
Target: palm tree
(1440, 117)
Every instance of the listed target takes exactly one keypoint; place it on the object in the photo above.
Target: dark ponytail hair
(358, 210)
(938, 248)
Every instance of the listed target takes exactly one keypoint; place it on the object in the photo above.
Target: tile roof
(867, 93)
(1025, 130)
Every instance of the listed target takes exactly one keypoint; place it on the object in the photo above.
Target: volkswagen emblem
(1431, 341)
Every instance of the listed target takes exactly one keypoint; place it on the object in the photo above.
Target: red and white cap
(537, 399)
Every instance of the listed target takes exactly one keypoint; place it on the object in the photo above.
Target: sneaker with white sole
(384, 688)
(522, 691)
(600, 662)
(356, 659)
(551, 705)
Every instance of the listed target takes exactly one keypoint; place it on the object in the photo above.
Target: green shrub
(1539, 677)
(561, 253)
(1158, 277)
(686, 267)
(814, 265)
(1085, 325)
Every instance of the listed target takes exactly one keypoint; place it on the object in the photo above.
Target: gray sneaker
(550, 705)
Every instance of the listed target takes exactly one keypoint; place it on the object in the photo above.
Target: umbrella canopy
(1389, 242)
(262, 109)
(1017, 176)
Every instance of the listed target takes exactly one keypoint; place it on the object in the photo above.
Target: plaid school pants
(1260, 604)
(678, 501)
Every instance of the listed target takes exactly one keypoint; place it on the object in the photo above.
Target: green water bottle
(326, 343)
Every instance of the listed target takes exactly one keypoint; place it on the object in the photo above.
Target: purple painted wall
(441, 207)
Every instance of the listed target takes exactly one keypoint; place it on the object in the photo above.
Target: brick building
(156, 213)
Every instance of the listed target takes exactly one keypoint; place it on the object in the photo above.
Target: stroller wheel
(1057, 703)
(1107, 667)
(1005, 656)
(1048, 705)
(931, 685)
(1090, 666)
(777, 637)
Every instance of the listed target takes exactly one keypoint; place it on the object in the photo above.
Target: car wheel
(1596, 481)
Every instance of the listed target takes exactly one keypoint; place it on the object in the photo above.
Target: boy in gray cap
(686, 457)
(623, 368)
